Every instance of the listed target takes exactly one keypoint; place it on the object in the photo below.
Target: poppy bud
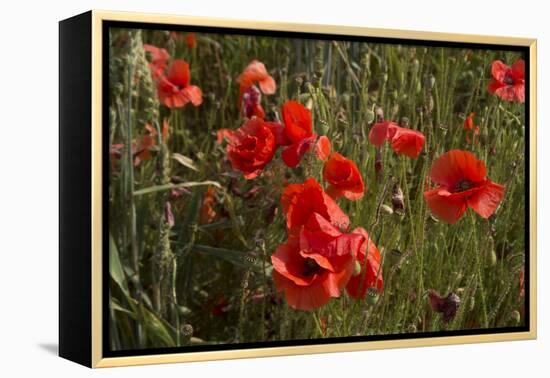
(372, 296)
(168, 215)
(369, 116)
(415, 66)
(356, 268)
(386, 209)
(309, 103)
(404, 122)
(411, 328)
(491, 257)
(398, 200)
(184, 310)
(430, 82)
(378, 164)
(515, 316)
(379, 114)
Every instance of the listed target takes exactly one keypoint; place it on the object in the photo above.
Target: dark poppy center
(310, 267)
(463, 185)
(508, 79)
(249, 143)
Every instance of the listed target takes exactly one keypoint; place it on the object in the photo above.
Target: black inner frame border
(106, 25)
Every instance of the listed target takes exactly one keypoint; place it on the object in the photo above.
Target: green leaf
(189, 184)
(114, 305)
(158, 330)
(185, 161)
(234, 257)
(115, 266)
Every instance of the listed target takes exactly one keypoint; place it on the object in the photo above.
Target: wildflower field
(272, 188)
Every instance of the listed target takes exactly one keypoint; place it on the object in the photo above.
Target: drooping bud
(447, 306)
(168, 215)
(378, 164)
(250, 105)
(379, 112)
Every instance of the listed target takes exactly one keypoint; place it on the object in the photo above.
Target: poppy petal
(179, 73)
(445, 205)
(268, 85)
(278, 131)
(297, 119)
(486, 200)
(511, 93)
(302, 297)
(456, 165)
(494, 85)
(292, 155)
(194, 94)
(286, 261)
(378, 133)
(323, 148)
(407, 142)
(518, 69)
(499, 70)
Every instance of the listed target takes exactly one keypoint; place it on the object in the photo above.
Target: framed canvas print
(235, 189)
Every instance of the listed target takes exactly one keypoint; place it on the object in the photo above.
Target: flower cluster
(321, 258)
(173, 81)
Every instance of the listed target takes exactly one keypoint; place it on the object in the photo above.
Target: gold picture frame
(91, 327)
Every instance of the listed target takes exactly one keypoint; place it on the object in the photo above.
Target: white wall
(28, 187)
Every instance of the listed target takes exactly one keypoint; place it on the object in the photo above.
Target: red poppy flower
(343, 177)
(207, 210)
(174, 90)
(250, 103)
(251, 147)
(471, 131)
(254, 73)
(508, 83)
(370, 274)
(323, 148)
(462, 183)
(191, 40)
(298, 132)
(402, 140)
(469, 122)
(318, 267)
(159, 60)
(300, 201)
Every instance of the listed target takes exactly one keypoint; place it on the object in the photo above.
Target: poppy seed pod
(372, 296)
(187, 330)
